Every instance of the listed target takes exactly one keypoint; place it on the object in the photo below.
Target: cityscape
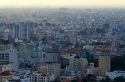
(62, 45)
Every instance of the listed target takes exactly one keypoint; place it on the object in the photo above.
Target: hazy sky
(61, 3)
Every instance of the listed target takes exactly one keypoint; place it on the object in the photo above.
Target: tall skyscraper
(104, 65)
(22, 31)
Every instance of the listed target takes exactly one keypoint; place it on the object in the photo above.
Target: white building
(72, 63)
(36, 77)
(5, 67)
(21, 77)
(114, 74)
(91, 69)
(8, 55)
(47, 57)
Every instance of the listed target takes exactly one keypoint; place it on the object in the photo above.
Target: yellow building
(49, 69)
(104, 65)
(43, 69)
(81, 63)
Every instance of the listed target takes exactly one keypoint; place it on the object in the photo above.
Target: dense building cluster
(61, 45)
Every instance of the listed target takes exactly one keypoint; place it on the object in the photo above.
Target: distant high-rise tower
(104, 65)
(22, 31)
(16, 32)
